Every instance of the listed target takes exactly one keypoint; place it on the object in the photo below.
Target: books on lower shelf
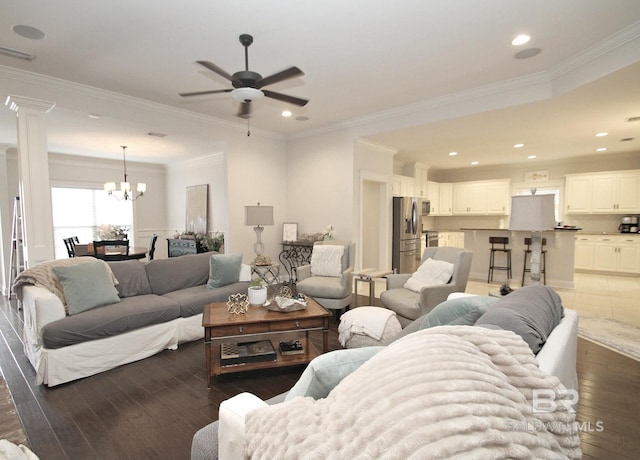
(293, 347)
(247, 352)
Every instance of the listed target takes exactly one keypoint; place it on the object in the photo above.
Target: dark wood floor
(152, 408)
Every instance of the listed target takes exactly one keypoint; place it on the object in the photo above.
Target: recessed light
(531, 157)
(28, 32)
(520, 40)
(474, 163)
(453, 154)
(286, 113)
(94, 116)
(602, 134)
(601, 149)
(517, 146)
(527, 53)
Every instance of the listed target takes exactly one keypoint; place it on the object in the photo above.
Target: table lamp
(533, 213)
(258, 216)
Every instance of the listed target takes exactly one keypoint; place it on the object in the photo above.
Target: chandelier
(125, 187)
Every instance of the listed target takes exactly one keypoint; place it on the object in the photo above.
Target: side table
(269, 274)
(368, 276)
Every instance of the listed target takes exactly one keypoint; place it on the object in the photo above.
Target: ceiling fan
(247, 85)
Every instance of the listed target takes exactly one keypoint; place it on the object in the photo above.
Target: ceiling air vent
(151, 133)
(630, 119)
(17, 54)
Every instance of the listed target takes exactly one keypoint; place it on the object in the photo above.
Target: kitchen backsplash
(590, 223)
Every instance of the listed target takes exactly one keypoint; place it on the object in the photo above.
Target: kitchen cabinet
(498, 197)
(577, 194)
(445, 199)
(615, 192)
(453, 239)
(433, 195)
(617, 253)
(403, 185)
(469, 198)
(611, 253)
(481, 198)
(421, 182)
(585, 252)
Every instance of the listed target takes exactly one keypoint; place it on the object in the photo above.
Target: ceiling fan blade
(280, 76)
(214, 68)
(200, 93)
(285, 98)
(244, 111)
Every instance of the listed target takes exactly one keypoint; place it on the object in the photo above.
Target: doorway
(374, 223)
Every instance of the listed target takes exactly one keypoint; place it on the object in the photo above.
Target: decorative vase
(257, 295)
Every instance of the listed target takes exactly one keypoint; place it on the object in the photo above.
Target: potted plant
(257, 292)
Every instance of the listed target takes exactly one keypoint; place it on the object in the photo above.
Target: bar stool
(495, 242)
(543, 260)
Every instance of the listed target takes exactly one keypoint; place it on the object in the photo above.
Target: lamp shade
(258, 215)
(532, 212)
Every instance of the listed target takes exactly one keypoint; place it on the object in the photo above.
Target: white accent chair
(332, 292)
(410, 305)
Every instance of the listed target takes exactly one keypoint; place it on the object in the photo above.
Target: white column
(33, 172)
(5, 219)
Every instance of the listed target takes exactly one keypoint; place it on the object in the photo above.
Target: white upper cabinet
(615, 192)
(433, 195)
(422, 182)
(446, 199)
(403, 185)
(481, 198)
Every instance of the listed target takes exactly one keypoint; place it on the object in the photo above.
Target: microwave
(425, 207)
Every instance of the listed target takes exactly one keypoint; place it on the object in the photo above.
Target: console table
(178, 247)
(294, 254)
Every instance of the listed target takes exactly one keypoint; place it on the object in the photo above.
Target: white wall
(320, 184)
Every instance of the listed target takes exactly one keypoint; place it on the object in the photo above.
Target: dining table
(136, 252)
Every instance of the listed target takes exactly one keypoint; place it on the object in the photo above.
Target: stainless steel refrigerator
(407, 233)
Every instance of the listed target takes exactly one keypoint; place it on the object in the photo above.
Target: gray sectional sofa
(157, 305)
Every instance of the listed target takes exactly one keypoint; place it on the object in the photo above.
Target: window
(555, 191)
(81, 211)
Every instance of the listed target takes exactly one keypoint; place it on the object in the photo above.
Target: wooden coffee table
(258, 323)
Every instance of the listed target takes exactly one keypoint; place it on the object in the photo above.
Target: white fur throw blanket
(447, 392)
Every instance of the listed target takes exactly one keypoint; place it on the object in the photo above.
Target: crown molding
(365, 143)
(56, 84)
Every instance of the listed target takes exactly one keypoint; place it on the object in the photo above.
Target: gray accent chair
(333, 293)
(410, 305)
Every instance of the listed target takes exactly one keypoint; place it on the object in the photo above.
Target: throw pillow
(327, 370)
(86, 286)
(326, 260)
(131, 276)
(430, 273)
(532, 312)
(464, 311)
(224, 269)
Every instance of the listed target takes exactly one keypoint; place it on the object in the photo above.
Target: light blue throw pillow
(224, 269)
(327, 370)
(463, 311)
(86, 286)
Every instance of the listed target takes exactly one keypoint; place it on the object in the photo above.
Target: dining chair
(152, 246)
(70, 244)
(111, 249)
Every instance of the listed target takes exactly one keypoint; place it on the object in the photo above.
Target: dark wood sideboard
(177, 247)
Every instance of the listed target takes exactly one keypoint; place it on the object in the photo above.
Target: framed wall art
(197, 209)
(289, 231)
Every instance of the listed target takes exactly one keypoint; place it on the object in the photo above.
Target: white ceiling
(410, 67)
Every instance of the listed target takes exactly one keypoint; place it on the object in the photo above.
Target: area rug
(10, 425)
(621, 337)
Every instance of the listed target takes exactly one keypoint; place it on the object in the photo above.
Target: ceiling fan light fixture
(247, 94)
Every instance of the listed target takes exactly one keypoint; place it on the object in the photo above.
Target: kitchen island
(560, 256)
